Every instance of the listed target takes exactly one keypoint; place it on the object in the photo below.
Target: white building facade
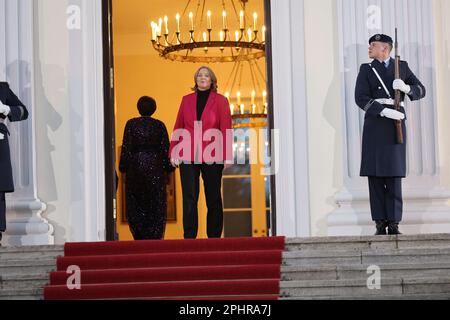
(51, 53)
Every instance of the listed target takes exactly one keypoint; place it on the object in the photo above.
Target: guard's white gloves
(392, 114)
(401, 85)
(175, 162)
(4, 109)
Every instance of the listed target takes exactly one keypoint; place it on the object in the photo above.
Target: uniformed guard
(383, 157)
(13, 109)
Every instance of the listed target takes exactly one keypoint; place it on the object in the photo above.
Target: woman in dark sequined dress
(146, 163)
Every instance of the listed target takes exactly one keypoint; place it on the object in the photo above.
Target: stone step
(339, 288)
(441, 296)
(366, 257)
(27, 267)
(24, 271)
(426, 285)
(289, 273)
(351, 288)
(21, 294)
(368, 242)
(30, 281)
(30, 252)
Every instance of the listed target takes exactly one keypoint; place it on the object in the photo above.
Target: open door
(111, 181)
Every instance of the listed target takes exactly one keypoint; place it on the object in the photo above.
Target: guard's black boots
(0, 239)
(393, 228)
(381, 227)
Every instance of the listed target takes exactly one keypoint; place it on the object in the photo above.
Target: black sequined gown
(145, 161)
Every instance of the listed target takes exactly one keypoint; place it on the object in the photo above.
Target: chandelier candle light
(194, 45)
(254, 107)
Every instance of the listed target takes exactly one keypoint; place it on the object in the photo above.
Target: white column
(90, 220)
(426, 208)
(290, 118)
(25, 225)
(71, 160)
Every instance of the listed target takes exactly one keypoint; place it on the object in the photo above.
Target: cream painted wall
(323, 93)
(442, 40)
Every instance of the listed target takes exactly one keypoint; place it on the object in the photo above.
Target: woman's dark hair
(146, 106)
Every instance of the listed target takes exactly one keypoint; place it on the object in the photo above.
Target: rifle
(397, 101)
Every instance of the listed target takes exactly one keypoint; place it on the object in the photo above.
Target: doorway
(136, 69)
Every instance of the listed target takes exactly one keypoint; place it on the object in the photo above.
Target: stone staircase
(24, 271)
(411, 267)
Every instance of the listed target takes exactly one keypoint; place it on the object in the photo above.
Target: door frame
(270, 113)
(109, 113)
(109, 128)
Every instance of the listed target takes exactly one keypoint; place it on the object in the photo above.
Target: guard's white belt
(389, 102)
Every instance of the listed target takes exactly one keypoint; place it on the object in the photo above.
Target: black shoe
(393, 228)
(0, 239)
(381, 227)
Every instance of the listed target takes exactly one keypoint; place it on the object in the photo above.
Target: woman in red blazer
(202, 143)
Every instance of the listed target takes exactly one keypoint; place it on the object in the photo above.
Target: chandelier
(248, 108)
(196, 38)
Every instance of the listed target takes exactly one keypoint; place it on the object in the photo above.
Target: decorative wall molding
(87, 217)
(290, 118)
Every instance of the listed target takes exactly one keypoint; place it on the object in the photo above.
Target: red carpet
(207, 269)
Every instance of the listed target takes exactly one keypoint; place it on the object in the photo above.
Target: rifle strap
(381, 80)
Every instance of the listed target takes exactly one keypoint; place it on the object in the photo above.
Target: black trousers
(2, 212)
(212, 181)
(386, 201)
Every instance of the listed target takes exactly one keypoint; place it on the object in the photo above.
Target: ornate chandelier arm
(262, 78)
(255, 84)
(240, 75)
(185, 9)
(231, 74)
(235, 10)
(238, 64)
(259, 70)
(203, 12)
(201, 16)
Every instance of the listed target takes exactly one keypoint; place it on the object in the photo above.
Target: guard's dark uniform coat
(18, 112)
(381, 155)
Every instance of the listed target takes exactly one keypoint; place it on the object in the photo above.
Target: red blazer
(195, 141)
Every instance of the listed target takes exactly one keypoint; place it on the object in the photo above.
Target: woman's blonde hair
(211, 74)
